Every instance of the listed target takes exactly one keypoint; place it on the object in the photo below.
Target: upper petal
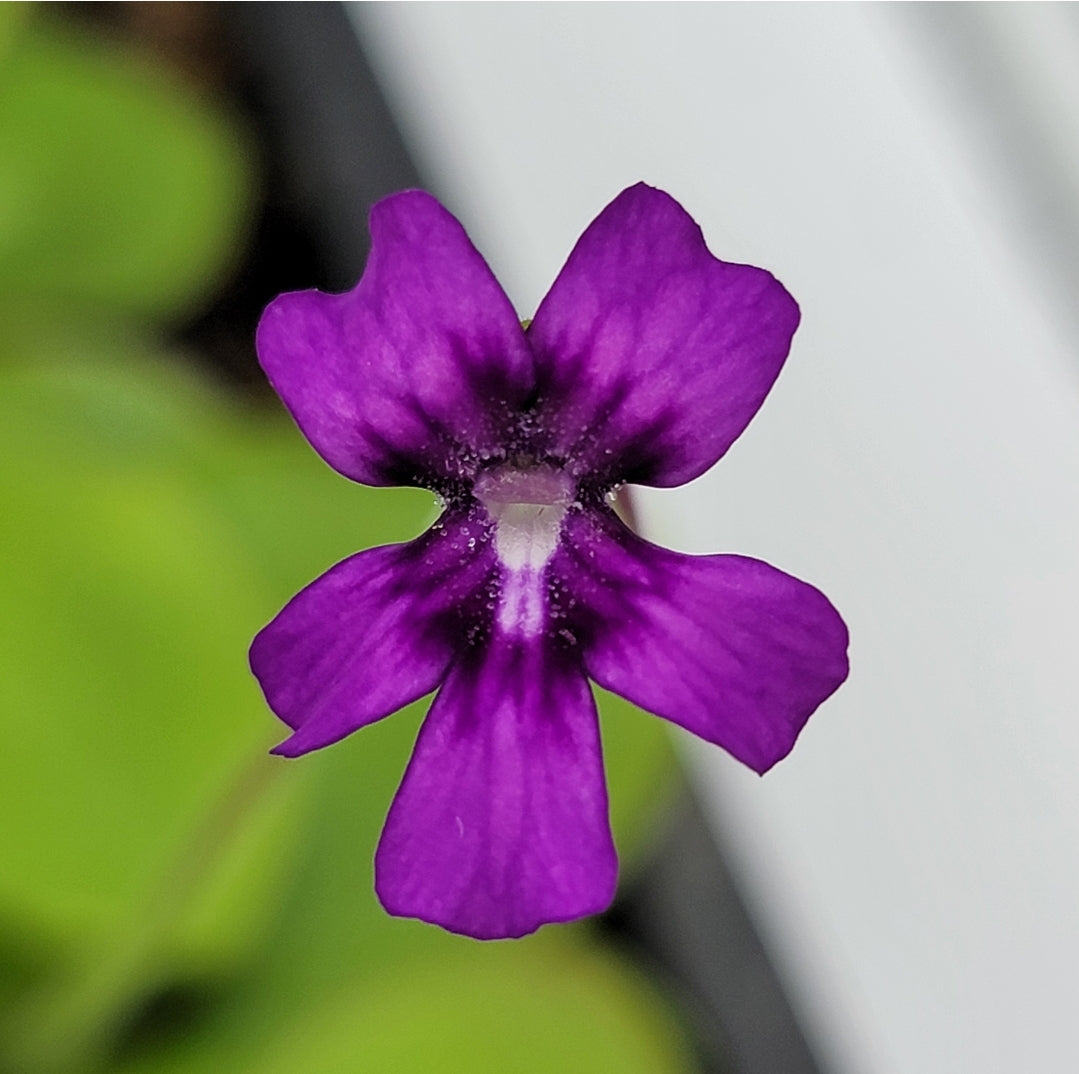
(728, 647)
(500, 824)
(653, 355)
(412, 375)
(372, 634)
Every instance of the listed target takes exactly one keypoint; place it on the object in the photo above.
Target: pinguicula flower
(643, 364)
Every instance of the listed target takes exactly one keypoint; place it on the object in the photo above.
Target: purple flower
(644, 363)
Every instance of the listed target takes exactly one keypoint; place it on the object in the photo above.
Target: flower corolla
(642, 365)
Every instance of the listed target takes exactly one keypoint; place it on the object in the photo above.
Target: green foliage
(119, 191)
(530, 1010)
(145, 831)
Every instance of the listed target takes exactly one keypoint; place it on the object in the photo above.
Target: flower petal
(653, 355)
(372, 634)
(500, 824)
(412, 374)
(728, 647)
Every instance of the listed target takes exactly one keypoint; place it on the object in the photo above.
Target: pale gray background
(909, 172)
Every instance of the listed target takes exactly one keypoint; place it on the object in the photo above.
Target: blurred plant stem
(71, 1024)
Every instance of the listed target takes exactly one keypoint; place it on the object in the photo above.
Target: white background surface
(914, 865)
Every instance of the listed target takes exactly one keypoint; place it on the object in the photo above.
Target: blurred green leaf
(491, 1008)
(539, 1004)
(642, 775)
(119, 189)
(296, 516)
(12, 17)
(145, 830)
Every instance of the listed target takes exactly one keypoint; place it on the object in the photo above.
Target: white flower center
(528, 507)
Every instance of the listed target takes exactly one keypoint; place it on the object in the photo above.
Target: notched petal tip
(409, 211)
(654, 353)
(397, 381)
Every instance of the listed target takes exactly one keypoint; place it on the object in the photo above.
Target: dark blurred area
(326, 145)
